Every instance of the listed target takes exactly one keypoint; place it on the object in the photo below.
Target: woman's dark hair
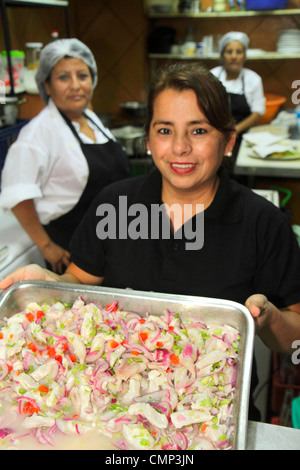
(211, 95)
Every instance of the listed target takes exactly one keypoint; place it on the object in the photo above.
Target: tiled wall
(116, 31)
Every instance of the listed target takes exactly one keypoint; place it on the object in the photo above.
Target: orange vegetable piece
(29, 316)
(43, 388)
(39, 314)
(174, 359)
(32, 347)
(143, 336)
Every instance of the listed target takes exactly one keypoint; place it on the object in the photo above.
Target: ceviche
(145, 382)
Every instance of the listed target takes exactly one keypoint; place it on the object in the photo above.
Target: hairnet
(57, 50)
(233, 36)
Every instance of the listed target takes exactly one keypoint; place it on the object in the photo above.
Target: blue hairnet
(233, 36)
(57, 50)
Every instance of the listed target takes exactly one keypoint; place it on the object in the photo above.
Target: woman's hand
(278, 328)
(261, 310)
(57, 257)
(26, 273)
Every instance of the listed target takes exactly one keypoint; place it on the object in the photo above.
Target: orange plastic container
(273, 103)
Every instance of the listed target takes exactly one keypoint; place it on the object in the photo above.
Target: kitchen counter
(249, 166)
(263, 436)
(16, 248)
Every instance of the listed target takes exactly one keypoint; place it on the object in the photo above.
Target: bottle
(219, 5)
(33, 50)
(297, 112)
(54, 35)
(190, 43)
(185, 6)
(195, 7)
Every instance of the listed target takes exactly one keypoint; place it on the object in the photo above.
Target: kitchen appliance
(9, 110)
(189, 308)
(16, 248)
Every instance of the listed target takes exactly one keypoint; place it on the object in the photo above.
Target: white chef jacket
(252, 88)
(46, 164)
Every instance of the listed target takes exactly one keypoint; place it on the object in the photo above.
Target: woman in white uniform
(64, 156)
(243, 85)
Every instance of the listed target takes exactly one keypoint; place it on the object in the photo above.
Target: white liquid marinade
(96, 377)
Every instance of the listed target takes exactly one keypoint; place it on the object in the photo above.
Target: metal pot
(132, 139)
(134, 108)
(9, 111)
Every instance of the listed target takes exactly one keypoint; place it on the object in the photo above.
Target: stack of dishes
(289, 41)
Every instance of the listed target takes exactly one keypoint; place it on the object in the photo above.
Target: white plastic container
(17, 62)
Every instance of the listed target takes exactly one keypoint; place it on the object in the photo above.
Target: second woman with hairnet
(62, 157)
(243, 85)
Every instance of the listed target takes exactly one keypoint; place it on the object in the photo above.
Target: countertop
(246, 165)
(263, 436)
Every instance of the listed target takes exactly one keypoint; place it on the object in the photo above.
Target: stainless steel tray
(20, 294)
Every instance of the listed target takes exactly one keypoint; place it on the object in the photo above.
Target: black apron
(240, 110)
(239, 105)
(107, 163)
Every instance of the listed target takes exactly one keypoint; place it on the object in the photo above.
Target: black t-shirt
(249, 246)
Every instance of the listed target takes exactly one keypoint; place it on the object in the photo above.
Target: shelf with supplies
(226, 14)
(4, 4)
(35, 3)
(258, 55)
(268, 55)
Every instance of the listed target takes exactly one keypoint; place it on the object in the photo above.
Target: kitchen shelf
(267, 56)
(35, 3)
(226, 14)
(27, 3)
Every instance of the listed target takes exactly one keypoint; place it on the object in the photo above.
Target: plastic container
(273, 103)
(33, 50)
(265, 4)
(17, 62)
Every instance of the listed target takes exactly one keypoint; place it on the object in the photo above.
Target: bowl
(273, 103)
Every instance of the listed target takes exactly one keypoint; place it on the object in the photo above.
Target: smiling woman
(189, 130)
(249, 246)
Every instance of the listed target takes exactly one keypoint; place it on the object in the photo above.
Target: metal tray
(17, 297)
